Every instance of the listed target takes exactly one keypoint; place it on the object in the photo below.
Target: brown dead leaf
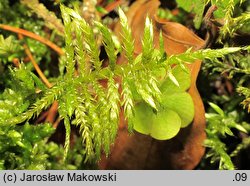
(138, 151)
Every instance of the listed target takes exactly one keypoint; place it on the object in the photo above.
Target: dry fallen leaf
(138, 151)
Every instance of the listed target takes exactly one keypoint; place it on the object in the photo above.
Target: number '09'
(240, 177)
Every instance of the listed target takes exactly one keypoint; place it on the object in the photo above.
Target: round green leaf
(166, 124)
(163, 125)
(143, 118)
(182, 104)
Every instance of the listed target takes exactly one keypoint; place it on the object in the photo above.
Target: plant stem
(33, 36)
(37, 68)
(113, 5)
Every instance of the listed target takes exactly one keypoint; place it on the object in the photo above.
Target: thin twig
(33, 36)
(56, 123)
(111, 6)
(50, 117)
(42, 117)
(16, 62)
(52, 112)
(37, 68)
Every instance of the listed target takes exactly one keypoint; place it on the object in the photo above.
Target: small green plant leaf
(241, 128)
(172, 78)
(217, 109)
